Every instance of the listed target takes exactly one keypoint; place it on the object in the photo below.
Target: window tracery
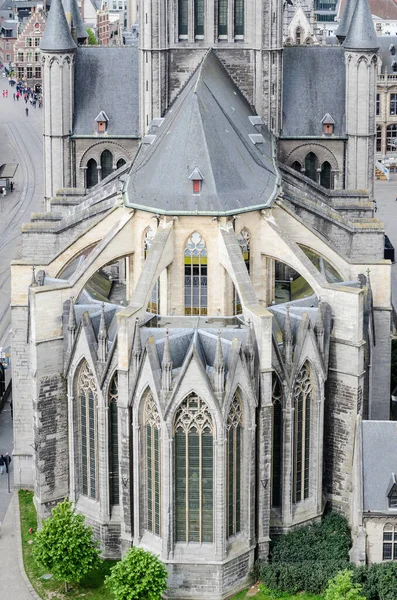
(151, 419)
(113, 442)
(196, 272)
(87, 395)
(302, 404)
(233, 456)
(277, 450)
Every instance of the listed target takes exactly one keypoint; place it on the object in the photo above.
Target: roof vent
(148, 139)
(255, 120)
(256, 138)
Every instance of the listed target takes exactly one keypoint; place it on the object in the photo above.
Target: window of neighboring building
(199, 17)
(38, 72)
(233, 470)
(391, 138)
(378, 138)
(92, 173)
(106, 163)
(196, 276)
(37, 56)
(8, 57)
(152, 457)
(222, 17)
(239, 18)
(29, 72)
(29, 42)
(393, 498)
(113, 443)
(377, 104)
(302, 405)
(277, 450)
(393, 104)
(21, 72)
(87, 402)
(20, 56)
(37, 41)
(389, 543)
(8, 46)
(183, 17)
(194, 471)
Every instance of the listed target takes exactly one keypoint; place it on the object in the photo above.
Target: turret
(166, 365)
(344, 23)
(75, 21)
(71, 325)
(361, 46)
(58, 56)
(219, 367)
(249, 351)
(287, 340)
(136, 348)
(102, 337)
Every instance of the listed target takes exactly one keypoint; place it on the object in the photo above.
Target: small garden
(63, 561)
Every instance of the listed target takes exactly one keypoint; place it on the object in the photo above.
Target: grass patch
(90, 588)
(264, 596)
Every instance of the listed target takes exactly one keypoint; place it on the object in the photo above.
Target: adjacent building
(27, 54)
(8, 36)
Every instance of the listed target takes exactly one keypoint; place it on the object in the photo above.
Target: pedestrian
(6, 93)
(12, 186)
(1, 464)
(7, 460)
(27, 111)
(4, 192)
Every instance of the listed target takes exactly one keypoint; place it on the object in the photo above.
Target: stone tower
(361, 47)
(58, 52)
(246, 36)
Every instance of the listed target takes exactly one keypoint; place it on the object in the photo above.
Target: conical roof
(344, 23)
(75, 19)
(209, 128)
(362, 35)
(57, 36)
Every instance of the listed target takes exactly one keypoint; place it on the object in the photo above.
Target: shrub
(342, 587)
(308, 576)
(139, 576)
(65, 546)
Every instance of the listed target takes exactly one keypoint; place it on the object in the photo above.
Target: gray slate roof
(57, 34)
(314, 84)
(207, 127)
(75, 19)
(100, 86)
(379, 463)
(344, 23)
(361, 35)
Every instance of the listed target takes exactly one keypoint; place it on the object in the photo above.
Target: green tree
(65, 546)
(139, 576)
(341, 587)
(92, 41)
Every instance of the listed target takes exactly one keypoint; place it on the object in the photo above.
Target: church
(201, 314)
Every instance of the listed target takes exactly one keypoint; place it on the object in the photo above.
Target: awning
(7, 171)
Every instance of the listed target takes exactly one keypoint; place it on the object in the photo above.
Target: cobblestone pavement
(21, 142)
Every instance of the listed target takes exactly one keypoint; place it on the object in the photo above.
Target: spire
(33, 283)
(288, 339)
(219, 367)
(166, 364)
(71, 324)
(137, 347)
(218, 352)
(102, 336)
(74, 18)
(362, 35)
(57, 36)
(249, 350)
(344, 23)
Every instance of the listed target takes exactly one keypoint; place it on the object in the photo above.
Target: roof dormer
(392, 492)
(102, 122)
(328, 124)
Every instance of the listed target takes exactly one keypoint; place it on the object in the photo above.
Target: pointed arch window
(302, 405)
(113, 443)
(87, 400)
(239, 18)
(244, 240)
(120, 163)
(277, 449)
(154, 304)
(151, 420)
(194, 471)
(233, 457)
(183, 16)
(106, 163)
(311, 163)
(92, 173)
(326, 175)
(222, 17)
(199, 17)
(196, 276)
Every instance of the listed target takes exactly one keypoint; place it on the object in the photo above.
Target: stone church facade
(197, 338)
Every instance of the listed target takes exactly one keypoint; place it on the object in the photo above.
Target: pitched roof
(328, 120)
(102, 117)
(207, 127)
(362, 34)
(100, 87)
(311, 76)
(344, 23)
(379, 463)
(57, 36)
(74, 18)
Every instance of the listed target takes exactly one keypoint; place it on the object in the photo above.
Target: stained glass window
(277, 455)
(113, 443)
(183, 16)
(194, 471)
(239, 17)
(302, 404)
(196, 265)
(87, 395)
(222, 17)
(233, 457)
(152, 453)
(198, 17)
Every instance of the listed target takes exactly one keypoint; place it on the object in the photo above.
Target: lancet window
(194, 471)
(87, 399)
(233, 457)
(113, 442)
(302, 403)
(277, 450)
(196, 275)
(153, 465)
(106, 163)
(239, 18)
(222, 17)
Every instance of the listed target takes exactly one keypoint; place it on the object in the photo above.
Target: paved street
(385, 194)
(20, 142)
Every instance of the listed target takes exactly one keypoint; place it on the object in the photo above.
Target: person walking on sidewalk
(1, 464)
(7, 460)
(27, 111)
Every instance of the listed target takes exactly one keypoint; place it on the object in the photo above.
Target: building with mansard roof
(201, 316)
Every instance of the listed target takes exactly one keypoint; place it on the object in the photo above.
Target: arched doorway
(92, 173)
(311, 163)
(325, 178)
